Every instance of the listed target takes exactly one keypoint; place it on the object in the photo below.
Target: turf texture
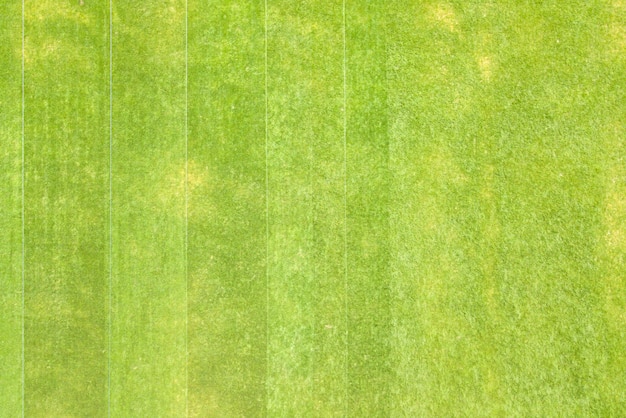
(313, 208)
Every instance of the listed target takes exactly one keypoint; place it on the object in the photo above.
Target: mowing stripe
(11, 329)
(368, 209)
(65, 209)
(307, 253)
(149, 280)
(228, 224)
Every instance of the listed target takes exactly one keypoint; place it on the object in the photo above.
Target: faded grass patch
(614, 240)
(443, 175)
(211, 404)
(171, 190)
(619, 5)
(443, 15)
(70, 55)
(444, 167)
(615, 210)
(617, 39)
(486, 66)
(34, 52)
(615, 217)
(40, 11)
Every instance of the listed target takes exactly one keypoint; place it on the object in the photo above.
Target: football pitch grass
(313, 208)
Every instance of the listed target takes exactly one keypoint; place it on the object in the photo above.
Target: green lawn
(307, 208)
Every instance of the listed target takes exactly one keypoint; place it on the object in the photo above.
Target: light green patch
(617, 36)
(63, 10)
(444, 16)
(614, 217)
(486, 65)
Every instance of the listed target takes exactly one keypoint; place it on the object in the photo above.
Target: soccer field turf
(312, 208)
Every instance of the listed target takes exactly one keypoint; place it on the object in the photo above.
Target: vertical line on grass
(267, 229)
(110, 284)
(23, 376)
(345, 204)
(186, 208)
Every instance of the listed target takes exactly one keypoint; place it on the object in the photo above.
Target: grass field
(306, 208)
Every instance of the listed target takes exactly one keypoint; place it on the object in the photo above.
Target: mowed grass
(338, 208)
(10, 211)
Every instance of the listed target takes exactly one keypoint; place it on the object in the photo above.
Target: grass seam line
(23, 371)
(345, 205)
(186, 208)
(267, 224)
(110, 284)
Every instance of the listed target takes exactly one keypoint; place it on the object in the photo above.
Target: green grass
(307, 208)
(10, 211)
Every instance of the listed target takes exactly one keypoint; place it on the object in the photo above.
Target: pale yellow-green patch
(619, 4)
(307, 27)
(171, 18)
(444, 166)
(432, 219)
(491, 384)
(49, 48)
(486, 66)
(614, 220)
(435, 287)
(202, 184)
(614, 300)
(615, 211)
(172, 188)
(443, 15)
(212, 405)
(486, 189)
(195, 176)
(616, 228)
(462, 101)
(617, 38)
(60, 51)
(484, 41)
(443, 172)
(37, 49)
(442, 73)
(71, 10)
(487, 8)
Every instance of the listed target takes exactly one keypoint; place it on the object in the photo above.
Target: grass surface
(313, 208)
